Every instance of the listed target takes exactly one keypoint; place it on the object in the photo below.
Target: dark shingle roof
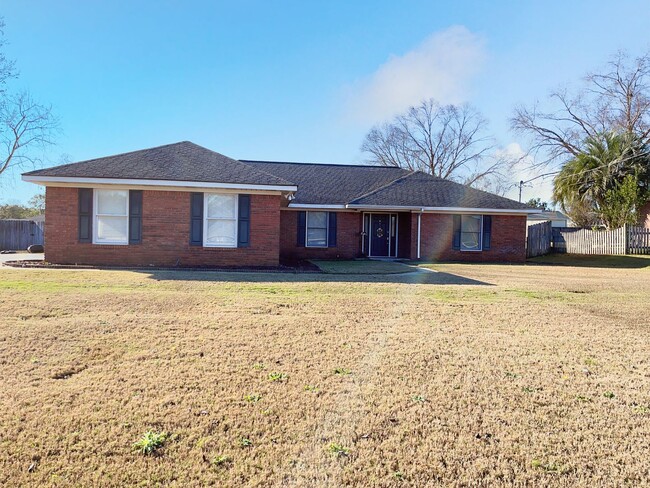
(330, 184)
(183, 161)
(318, 184)
(334, 184)
(423, 190)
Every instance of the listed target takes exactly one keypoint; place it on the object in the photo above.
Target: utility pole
(522, 182)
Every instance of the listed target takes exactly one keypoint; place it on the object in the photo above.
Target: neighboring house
(184, 205)
(558, 219)
(644, 219)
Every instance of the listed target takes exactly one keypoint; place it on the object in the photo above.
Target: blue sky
(295, 81)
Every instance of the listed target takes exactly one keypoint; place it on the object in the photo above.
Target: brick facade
(165, 234)
(508, 241)
(348, 238)
(273, 235)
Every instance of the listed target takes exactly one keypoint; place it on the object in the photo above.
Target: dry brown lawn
(472, 376)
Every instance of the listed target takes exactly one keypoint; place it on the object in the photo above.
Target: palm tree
(589, 180)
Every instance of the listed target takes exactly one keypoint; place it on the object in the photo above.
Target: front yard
(468, 375)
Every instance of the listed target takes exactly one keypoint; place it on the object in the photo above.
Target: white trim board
(148, 184)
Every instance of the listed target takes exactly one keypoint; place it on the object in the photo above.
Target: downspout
(419, 227)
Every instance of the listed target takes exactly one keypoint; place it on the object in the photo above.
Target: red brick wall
(644, 215)
(348, 238)
(508, 241)
(165, 234)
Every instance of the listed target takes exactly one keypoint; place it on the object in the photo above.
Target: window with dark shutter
(135, 216)
(456, 232)
(244, 221)
(196, 219)
(85, 215)
(331, 230)
(302, 228)
(487, 231)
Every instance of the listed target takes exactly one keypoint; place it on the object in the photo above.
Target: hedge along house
(184, 205)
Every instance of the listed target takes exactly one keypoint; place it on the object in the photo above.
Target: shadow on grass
(588, 261)
(418, 277)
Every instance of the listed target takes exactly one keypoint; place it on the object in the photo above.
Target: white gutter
(76, 181)
(455, 210)
(315, 205)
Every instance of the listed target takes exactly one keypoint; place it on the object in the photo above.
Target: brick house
(184, 205)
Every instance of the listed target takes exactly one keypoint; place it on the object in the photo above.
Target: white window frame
(327, 229)
(480, 233)
(206, 219)
(96, 216)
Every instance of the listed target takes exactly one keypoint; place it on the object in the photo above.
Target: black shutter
(196, 219)
(244, 221)
(85, 215)
(302, 228)
(487, 231)
(135, 216)
(456, 239)
(331, 235)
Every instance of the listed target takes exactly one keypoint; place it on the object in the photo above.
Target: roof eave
(176, 184)
(424, 209)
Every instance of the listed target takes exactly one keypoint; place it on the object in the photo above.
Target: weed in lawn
(582, 398)
(609, 394)
(221, 461)
(338, 449)
(590, 362)
(529, 389)
(150, 442)
(419, 399)
(311, 388)
(548, 467)
(511, 375)
(342, 371)
(253, 398)
(275, 376)
(398, 475)
(259, 366)
(245, 442)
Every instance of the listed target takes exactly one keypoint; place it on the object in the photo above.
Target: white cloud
(440, 67)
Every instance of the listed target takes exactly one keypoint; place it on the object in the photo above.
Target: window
(220, 222)
(111, 217)
(470, 232)
(316, 229)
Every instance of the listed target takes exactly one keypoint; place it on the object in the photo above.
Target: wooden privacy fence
(626, 240)
(538, 239)
(19, 234)
(638, 240)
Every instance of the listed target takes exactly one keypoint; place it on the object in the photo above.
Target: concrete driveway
(20, 256)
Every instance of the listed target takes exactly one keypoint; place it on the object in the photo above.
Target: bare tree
(24, 124)
(447, 141)
(616, 100)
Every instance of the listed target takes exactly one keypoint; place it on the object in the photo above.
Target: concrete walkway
(20, 256)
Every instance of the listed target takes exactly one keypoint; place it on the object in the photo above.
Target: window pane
(317, 220)
(112, 202)
(471, 223)
(221, 233)
(470, 236)
(112, 229)
(221, 206)
(469, 240)
(317, 237)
